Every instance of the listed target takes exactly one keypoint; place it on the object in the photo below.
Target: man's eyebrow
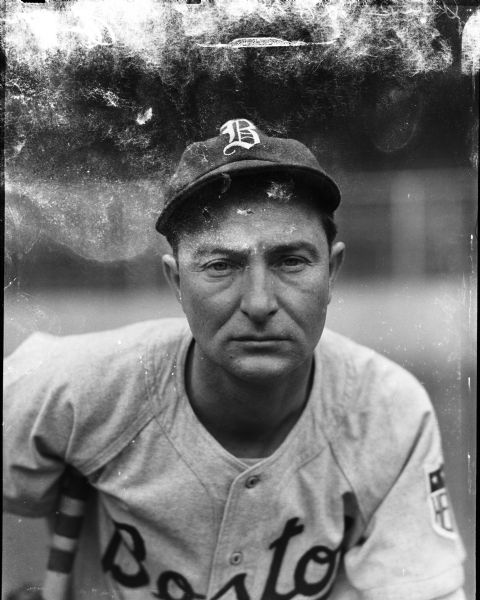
(284, 248)
(208, 249)
(294, 247)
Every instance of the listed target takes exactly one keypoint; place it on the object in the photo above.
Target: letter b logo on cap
(242, 134)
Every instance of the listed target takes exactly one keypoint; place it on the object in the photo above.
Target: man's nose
(259, 300)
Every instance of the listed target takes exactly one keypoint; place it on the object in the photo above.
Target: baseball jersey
(353, 504)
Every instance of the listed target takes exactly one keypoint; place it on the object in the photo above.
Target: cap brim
(330, 194)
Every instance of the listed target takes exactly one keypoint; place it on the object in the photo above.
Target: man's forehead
(251, 213)
(247, 227)
(253, 203)
(254, 213)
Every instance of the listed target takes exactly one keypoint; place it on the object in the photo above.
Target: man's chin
(261, 369)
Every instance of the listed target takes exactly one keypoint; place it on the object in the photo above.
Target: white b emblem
(242, 134)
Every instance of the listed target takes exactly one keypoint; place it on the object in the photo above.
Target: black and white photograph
(240, 299)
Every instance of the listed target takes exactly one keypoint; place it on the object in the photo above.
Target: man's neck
(250, 420)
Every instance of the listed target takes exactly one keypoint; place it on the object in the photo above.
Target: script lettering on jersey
(241, 133)
(136, 552)
(172, 585)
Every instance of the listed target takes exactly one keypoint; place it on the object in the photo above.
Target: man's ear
(337, 255)
(170, 270)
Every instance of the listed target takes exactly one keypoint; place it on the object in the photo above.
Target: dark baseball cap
(241, 149)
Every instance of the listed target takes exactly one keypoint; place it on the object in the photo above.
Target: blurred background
(101, 99)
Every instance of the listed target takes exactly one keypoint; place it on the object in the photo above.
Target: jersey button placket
(252, 481)
(236, 558)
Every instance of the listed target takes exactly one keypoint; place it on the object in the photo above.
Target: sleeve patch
(439, 503)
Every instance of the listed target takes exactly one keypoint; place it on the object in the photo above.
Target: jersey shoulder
(372, 412)
(364, 379)
(90, 382)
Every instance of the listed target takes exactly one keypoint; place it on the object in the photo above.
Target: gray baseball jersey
(353, 504)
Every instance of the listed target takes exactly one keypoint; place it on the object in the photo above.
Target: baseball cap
(241, 148)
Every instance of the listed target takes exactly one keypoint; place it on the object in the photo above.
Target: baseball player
(244, 453)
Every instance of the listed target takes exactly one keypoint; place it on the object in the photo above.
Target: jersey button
(252, 481)
(236, 558)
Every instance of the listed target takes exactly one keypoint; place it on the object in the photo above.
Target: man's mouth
(259, 338)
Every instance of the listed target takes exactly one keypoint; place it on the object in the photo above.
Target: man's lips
(259, 338)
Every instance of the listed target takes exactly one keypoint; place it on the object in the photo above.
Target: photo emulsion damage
(240, 299)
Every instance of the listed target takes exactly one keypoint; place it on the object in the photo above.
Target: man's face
(255, 285)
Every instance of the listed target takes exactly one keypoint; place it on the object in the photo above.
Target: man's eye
(292, 263)
(219, 267)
